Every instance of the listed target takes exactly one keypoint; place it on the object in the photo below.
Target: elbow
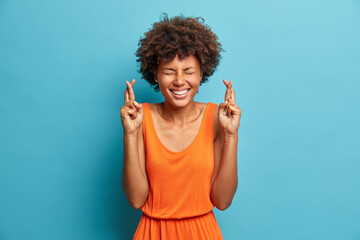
(136, 204)
(222, 200)
(223, 206)
(136, 198)
(137, 201)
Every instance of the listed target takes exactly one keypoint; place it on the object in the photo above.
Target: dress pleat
(193, 228)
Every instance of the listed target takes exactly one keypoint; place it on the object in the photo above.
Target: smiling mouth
(181, 92)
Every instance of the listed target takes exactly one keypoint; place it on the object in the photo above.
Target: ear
(155, 77)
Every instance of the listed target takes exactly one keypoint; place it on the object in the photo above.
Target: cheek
(165, 80)
(195, 82)
(163, 84)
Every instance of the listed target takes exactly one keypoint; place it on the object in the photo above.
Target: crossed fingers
(129, 94)
(229, 98)
(130, 107)
(230, 92)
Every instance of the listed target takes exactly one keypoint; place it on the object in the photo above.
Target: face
(179, 80)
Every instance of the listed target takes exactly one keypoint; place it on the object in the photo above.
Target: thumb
(139, 108)
(222, 108)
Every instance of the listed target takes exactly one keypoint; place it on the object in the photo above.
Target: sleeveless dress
(179, 206)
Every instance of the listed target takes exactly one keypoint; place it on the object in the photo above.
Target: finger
(127, 112)
(130, 104)
(232, 94)
(222, 105)
(235, 110)
(139, 108)
(222, 108)
(228, 111)
(230, 87)
(227, 93)
(130, 90)
(126, 94)
(132, 113)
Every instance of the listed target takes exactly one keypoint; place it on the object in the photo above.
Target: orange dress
(179, 205)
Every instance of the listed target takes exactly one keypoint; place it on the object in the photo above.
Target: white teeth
(180, 92)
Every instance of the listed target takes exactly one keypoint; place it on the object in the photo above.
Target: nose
(180, 80)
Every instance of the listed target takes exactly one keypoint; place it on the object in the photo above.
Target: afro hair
(180, 36)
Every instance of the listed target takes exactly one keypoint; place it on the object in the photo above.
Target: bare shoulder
(201, 105)
(153, 105)
(216, 125)
(154, 108)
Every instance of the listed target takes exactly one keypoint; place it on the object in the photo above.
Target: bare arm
(225, 179)
(134, 179)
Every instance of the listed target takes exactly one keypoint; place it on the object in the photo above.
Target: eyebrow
(172, 69)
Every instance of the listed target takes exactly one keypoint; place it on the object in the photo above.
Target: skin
(180, 118)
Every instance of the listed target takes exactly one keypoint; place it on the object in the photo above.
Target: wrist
(130, 134)
(229, 137)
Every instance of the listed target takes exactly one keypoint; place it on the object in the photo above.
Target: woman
(180, 156)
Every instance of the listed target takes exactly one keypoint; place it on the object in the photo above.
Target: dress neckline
(193, 141)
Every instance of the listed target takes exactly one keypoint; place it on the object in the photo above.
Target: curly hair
(178, 36)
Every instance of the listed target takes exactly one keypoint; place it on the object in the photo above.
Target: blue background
(296, 70)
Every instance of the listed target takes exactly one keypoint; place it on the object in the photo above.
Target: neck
(179, 115)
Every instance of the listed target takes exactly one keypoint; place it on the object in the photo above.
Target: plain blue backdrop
(296, 72)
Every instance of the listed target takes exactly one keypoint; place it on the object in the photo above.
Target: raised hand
(131, 112)
(229, 113)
